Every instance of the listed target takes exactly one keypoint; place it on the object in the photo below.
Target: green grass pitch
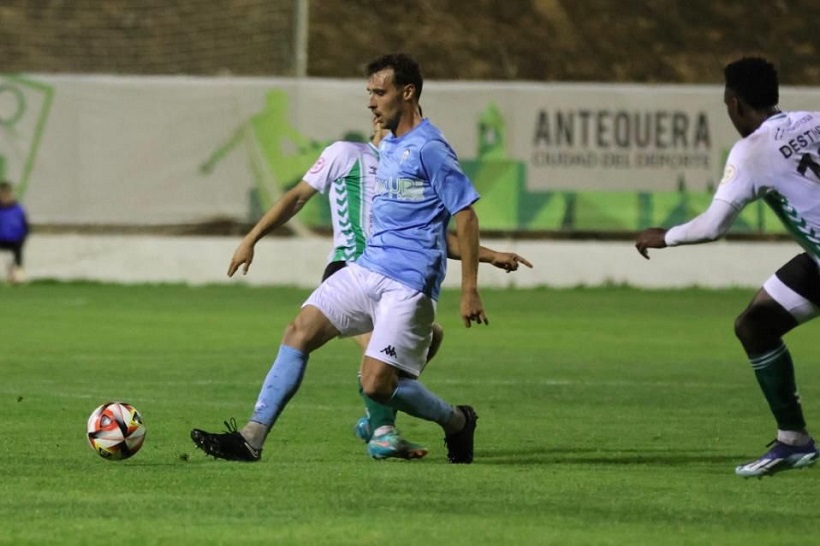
(607, 416)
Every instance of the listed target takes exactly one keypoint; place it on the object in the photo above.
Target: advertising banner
(169, 151)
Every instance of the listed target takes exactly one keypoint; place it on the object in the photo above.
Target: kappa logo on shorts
(389, 351)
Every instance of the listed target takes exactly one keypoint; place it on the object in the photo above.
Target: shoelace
(230, 425)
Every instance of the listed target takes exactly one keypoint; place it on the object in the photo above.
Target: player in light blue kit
(392, 289)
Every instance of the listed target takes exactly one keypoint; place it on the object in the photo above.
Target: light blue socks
(413, 398)
(280, 385)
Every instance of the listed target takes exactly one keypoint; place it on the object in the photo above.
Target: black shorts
(332, 268)
(802, 275)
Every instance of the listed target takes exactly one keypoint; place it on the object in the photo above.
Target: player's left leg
(382, 382)
(377, 429)
(394, 358)
(378, 415)
(789, 298)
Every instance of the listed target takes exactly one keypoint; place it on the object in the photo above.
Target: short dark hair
(405, 69)
(754, 80)
(5, 185)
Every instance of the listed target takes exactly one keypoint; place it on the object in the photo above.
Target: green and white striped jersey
(346, 174)
(780, 163)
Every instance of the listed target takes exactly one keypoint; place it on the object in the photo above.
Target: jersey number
(808, 163)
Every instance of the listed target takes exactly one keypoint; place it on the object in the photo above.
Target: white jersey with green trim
(780, 163)
(346, 174)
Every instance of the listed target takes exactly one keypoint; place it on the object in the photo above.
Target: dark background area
(536, 40)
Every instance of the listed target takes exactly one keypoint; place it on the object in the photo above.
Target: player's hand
(243, 256)
(509, 261)
(472, 310)
(650, 238)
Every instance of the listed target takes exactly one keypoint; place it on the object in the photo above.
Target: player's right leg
(335, 302)
(789, 298)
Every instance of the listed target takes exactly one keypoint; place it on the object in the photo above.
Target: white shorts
(356, 301)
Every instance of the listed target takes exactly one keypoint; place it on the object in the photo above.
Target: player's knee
(308, 332)
(377, 390)
(746, 327)
(294, 336)
(755, 330)
(741, 327)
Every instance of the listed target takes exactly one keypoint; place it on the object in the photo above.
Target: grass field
(607, 416)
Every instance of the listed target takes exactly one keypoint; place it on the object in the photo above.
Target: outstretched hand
(650, 238)
(509, 261)
(243, 256)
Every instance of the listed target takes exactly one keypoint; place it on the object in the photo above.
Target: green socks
(775, 375)
(378, 414)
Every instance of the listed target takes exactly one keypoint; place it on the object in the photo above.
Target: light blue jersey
(419, 186)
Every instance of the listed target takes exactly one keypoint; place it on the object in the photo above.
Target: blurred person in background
(777, 160)
(13, 231)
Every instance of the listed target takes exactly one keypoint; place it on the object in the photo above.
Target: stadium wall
(159, 151)
(297, 261)
(96, 154)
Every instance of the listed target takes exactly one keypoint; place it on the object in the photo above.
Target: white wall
(300, 262)
(116, 150)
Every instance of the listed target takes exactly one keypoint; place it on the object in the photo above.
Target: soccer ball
(116, 431)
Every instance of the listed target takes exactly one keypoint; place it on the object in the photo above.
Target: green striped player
(777, 160)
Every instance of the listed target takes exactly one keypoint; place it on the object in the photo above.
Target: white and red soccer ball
(116, 431)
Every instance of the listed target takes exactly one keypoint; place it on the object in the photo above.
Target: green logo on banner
(24, 108)
(278, 155)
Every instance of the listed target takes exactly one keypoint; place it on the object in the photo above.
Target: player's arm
(283, 210)
(508, 261)
(709, 226)
(457, 194)
(472, 310)
(741, 184)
